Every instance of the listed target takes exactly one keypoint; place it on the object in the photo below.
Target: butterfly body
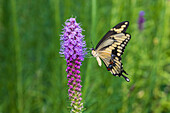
(111, 47)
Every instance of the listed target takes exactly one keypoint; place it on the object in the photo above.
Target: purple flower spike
(141, 20)
(141, 13)
(73, 48)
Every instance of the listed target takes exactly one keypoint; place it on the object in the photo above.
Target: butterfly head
(94, 53)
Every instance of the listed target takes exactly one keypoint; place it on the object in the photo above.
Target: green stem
(93, 36)
(17, 56)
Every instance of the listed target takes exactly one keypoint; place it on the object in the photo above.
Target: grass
(33, 77)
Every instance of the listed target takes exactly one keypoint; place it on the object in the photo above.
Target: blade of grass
(17, 45)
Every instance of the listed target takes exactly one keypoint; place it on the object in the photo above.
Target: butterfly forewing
(120, 28)
(118, 41)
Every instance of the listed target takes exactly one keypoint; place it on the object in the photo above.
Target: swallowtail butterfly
(111, 47)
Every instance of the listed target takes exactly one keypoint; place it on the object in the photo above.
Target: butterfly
(111, 47)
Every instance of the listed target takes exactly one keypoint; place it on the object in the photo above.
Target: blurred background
(32, 73)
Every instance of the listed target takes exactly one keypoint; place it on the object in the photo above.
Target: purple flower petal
(75, 75)
(74, 83)
(71, 87)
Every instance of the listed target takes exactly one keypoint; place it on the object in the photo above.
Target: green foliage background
(32, 73)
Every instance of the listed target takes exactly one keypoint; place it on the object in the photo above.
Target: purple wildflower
(73, 48)
(141, 20)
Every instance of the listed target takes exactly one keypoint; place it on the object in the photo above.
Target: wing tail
(126, 78)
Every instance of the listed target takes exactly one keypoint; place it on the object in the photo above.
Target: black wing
(119, 28)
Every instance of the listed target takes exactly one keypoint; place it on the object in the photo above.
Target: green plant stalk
(93, 36)
(17, 48)
(55, 62)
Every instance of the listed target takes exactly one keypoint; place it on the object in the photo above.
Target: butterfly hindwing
(115, 66)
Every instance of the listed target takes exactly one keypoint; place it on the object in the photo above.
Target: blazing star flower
(73, 48)
(141, 20)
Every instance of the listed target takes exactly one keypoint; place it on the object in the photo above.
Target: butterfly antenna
(88, 55)
(92, 44)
